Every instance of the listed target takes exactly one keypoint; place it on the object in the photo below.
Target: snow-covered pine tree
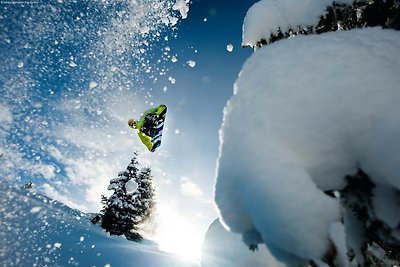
(339, 16)
(131, 204)
(144, 202)
(375, 244)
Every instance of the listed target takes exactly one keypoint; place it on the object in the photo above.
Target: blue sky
(74, 73)
(200, 93)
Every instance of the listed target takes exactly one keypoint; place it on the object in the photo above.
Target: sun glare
(178, 235)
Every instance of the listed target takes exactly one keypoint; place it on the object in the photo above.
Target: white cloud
(13, 160)
(92, 177)
(54, 152)
(89, 171)
(52, 193)
(47, 171)
(5, 114)
(92, 155)
(190, 189)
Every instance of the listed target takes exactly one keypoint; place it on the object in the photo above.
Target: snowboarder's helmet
(132, 122)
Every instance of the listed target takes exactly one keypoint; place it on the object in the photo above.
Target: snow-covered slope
(222, 248)
(38, 231)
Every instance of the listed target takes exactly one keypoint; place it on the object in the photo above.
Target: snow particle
(72, 64)
(165, 20)
(182, 6)
(81, 239)
(92, 85)
(174, 59)
(144, 30)
(172, 80)
(20, 64)
(173, 21)
(57, 245)
(229, 47)
(35, 209)
(177, 131)
(191, 63)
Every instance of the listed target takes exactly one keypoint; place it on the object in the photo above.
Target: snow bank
(305, 112)
(267, 16)
(38, 231)
(226, 249)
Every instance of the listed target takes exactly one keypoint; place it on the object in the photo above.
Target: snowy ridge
(38, 231)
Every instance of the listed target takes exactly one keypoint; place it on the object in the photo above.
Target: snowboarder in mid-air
(150, 126)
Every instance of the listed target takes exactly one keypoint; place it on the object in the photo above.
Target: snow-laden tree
(132, 203)
(310, 147)
(280, 19)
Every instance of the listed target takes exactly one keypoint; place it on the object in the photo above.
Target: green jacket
(150, 126)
